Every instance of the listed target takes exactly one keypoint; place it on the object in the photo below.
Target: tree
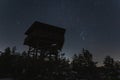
(13, 50)
(6, 62)
(110, 69)
(108, 62)
(84, 66)
(7, 51)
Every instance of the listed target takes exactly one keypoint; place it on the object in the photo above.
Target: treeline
(22, 66)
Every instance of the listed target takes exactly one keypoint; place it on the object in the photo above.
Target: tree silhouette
(25, 67)
(84, 66)
(108, 62)
(110, 69)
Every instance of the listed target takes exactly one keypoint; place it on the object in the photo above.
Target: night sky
(89, 24)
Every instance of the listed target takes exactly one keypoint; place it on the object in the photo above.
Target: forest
(21, 66)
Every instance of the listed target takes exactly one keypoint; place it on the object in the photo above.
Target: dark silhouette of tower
(44, 39)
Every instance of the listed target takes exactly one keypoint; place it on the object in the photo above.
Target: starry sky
(89, 24)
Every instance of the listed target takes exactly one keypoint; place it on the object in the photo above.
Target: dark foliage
(21, 66)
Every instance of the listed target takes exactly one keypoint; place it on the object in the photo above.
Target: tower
(44, 40)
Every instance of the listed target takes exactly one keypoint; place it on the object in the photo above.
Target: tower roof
(38, 26)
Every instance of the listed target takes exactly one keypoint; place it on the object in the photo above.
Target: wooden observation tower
(44, 39)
